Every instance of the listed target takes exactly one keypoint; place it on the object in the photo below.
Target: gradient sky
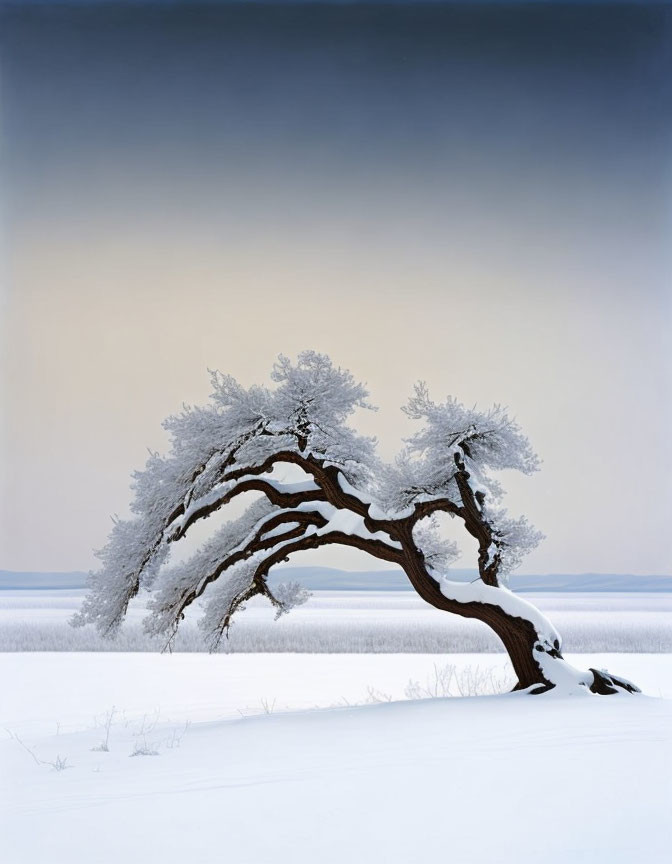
(476, 196)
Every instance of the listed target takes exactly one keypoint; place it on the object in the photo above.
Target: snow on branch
(280, 494)
(256, 535)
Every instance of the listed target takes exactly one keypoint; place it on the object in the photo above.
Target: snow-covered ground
(247, 770)
(349, 621)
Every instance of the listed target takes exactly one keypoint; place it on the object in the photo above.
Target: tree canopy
(341, 492)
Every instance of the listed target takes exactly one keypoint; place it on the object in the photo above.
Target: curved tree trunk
(530, 640)
(534, 650)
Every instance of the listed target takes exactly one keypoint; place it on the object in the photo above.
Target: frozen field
(350, 622)
(233, 762)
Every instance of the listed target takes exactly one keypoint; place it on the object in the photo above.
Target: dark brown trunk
(519, 638)
(517, 635)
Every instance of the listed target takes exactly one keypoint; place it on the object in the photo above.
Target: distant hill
(327, 578)
(572, 582)
(331, 579)
(36, 580)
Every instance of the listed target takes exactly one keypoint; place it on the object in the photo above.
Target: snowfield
(292, 757)
(253, 763)
(348, 622)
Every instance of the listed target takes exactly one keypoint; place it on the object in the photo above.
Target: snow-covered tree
(241, 444)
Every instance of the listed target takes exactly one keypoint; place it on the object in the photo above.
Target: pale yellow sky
(419, 192)
(111, 327)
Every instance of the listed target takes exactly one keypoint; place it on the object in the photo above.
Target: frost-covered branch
(280, 494)
(242, 552)
(260, 531)
(249, 578)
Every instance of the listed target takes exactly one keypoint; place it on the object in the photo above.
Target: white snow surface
(506, 778)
